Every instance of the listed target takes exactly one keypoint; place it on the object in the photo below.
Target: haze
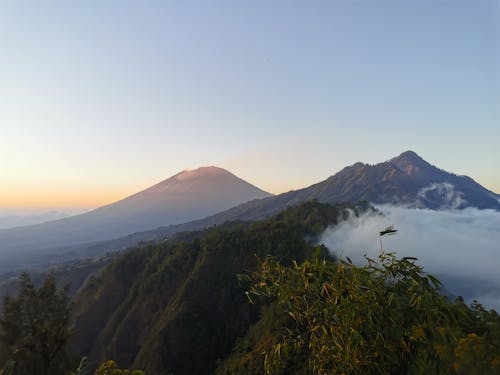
(458, 246)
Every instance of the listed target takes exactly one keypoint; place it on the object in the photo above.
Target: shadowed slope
(184, 197)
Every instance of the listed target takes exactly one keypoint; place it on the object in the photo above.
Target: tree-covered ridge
(263, 297)
(178, 306)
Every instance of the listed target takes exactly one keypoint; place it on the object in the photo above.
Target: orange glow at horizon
(91, 196)
(61, 198)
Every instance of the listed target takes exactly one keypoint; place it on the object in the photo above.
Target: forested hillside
(184, 307)
(260, 297)
(178, 306)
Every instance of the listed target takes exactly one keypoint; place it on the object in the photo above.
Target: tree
(111, 368)
(34, 327)
(385, 317)
(479, 351)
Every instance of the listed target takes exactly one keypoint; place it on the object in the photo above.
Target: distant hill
(19, 220)
(406, 180)
(184, 197)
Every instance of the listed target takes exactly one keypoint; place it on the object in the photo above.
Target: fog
(461, 247)
(12, 220)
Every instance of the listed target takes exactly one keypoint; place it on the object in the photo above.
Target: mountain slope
(180, 307)
(186, 196)
(406, 180)
(177, 306)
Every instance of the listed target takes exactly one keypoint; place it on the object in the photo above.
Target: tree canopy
(387, 316)
(34, 327)
(250, 298)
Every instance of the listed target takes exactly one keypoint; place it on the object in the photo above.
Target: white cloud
(442, 195)
(460, 246)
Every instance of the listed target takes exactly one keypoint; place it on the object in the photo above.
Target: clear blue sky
(99, 99)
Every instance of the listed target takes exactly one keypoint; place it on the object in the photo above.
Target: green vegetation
(386, 317)
(111, 368)
(34, 328)
(178, 307)
(254, 298)
(106, 368)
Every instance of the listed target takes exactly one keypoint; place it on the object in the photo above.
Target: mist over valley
(460, 247)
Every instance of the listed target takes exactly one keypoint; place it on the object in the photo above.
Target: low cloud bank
(19, 220)
(461, 247)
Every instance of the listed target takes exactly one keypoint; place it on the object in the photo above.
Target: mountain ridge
(406, 180)
(266, 207)
(186, 196)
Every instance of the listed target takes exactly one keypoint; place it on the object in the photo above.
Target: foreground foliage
(34, 328)
(181, 307)
(385, 317)
(111, 368)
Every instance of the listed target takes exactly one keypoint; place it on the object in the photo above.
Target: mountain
(184, 197)
(406, 180)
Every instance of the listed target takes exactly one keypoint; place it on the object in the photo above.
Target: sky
(101, 99)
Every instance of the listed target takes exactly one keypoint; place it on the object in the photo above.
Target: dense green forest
(263, 297)
(178, 306)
